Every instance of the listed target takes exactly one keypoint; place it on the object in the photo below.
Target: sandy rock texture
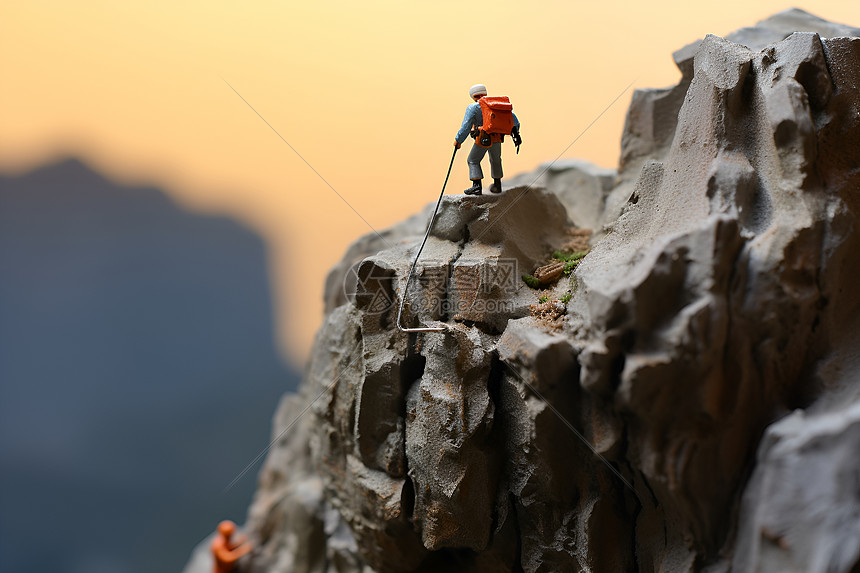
(695, 409)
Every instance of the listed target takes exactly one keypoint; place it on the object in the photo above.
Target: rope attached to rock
(415, 262)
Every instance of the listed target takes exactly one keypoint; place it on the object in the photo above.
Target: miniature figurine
(227, 551)
(487, 120)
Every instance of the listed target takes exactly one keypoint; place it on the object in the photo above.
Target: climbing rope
(415, 262)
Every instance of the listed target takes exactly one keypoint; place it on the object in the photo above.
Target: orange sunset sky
(370, 93)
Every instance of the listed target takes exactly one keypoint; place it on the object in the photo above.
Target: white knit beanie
(477, 89)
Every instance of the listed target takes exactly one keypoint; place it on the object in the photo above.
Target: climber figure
(487, 120)
(225, 550)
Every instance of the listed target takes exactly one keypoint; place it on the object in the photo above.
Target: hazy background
(138, 373)
(161, 288)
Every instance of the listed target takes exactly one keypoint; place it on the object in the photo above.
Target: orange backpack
(498, 114)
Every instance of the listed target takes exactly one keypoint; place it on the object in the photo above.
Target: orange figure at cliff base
(225, 550)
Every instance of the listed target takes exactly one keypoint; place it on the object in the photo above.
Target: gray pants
(477, 154)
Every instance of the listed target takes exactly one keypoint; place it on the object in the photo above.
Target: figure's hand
(243, 550)
(515, 136)
(456, 144)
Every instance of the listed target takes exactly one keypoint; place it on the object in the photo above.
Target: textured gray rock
(628, 436)
(718, 276)
(781, 25)
(801, 510)
(406, 444)
(652, 118)
(581, 186)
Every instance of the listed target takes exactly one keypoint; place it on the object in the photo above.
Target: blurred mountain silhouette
(138, 373)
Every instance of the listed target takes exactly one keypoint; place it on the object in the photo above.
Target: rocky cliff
(686, 399)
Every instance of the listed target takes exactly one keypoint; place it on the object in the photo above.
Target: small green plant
(531, 281)
(566, 257)
(544, 298)
(565, 298)
(573, 260)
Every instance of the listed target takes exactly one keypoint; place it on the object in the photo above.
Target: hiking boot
(496, 187)
(475, 189)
